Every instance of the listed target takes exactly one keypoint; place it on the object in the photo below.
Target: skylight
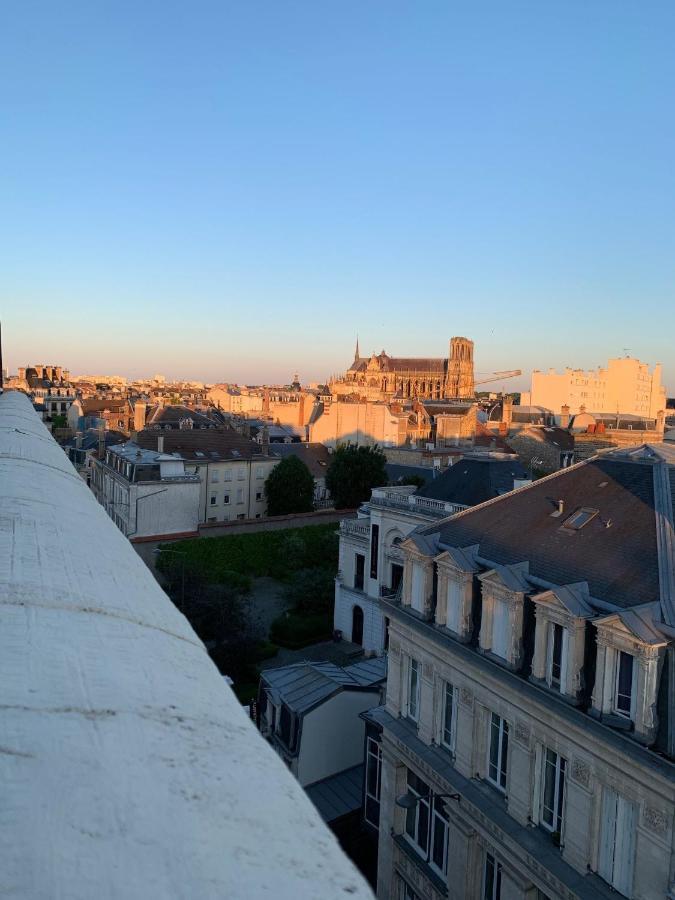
(580, 518)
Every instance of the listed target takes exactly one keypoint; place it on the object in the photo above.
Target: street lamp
(180, 553)
(409, 800)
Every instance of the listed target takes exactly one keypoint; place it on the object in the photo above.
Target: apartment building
(371, 559)
(231, 469)
(527, 741)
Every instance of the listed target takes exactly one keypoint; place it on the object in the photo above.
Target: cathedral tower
(459, 384)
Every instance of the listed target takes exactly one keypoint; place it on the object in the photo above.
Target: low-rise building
(147, 493)
(528, 736)
(231, 469)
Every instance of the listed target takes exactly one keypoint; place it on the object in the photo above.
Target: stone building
(528, 736)
(371, 559)
(382, 377)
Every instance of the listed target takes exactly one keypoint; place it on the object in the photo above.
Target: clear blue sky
(231, 191)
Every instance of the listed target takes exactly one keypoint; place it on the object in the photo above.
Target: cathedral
(390, 378)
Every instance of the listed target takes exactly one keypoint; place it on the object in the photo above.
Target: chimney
(160, 443)
(564, 416)
(661, 420)
(561, 507)
(266, 440)
(140, 408)
(507, 412)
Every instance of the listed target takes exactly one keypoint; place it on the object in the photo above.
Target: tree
(289, 488)
(311, 590)
(352, 474)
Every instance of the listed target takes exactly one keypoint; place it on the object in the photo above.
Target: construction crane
(497, 376)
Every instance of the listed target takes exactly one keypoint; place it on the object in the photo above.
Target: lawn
(234, 559)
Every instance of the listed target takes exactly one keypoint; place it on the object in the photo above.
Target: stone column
(485, 637)
(393, 701)
(601, 666)
(646, 688)
(442, 597)
(392, 818)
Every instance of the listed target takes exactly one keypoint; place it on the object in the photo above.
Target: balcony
(355, 529)
(421, 506)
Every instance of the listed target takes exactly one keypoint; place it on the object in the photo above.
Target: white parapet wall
(127, 768)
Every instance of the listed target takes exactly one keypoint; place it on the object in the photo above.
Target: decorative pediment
(459, 559)
(418, 544)
(511, 578)
(569, 598)
(637, 623)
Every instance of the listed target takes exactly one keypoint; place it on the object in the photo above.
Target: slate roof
(338, 795)
(172, 415)
(398, 473)
(619, 562)
(214, 444)
(473, 481)
(549, 434)
(315, 456)
(302, 686)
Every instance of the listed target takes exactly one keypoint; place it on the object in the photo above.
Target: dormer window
(624, 691)
(556, 656)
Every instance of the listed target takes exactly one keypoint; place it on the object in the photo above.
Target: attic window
(580, 518)
(199, 453)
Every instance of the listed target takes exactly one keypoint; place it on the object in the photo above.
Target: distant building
(317, 459)
(371, 560)
(626, 386)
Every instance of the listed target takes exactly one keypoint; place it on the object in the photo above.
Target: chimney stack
(564, 416)
(160, 443)
(661, 420)
(266, 440)
(507, 412)
(561, 507)
(139, 415)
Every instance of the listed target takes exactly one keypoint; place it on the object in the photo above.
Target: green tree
(352, 474)
(289, 488)
(311, 590)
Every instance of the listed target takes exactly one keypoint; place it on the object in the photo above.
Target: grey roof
(574, 597)
(302, 686)
(338, 795)
(472, 481)
(315, 456)
(617, 552)
(398, 473)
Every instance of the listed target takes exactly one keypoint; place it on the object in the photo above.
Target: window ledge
(420, 863)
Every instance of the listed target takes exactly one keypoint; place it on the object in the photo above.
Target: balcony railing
(411, 502)
(354, 528)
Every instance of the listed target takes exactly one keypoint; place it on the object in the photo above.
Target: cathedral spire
(356, 354)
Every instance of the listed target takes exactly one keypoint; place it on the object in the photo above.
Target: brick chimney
(661, 420)
(139, 415)
(266, 440)
(564, 416)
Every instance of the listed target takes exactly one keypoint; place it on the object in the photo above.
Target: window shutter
(607, 835)
(624, 847)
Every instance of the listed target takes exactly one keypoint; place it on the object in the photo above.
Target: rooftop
(303, 686)
(201, 445)
(128, 768)
(472, 481)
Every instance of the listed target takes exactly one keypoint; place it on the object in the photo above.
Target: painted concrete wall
(333, 735)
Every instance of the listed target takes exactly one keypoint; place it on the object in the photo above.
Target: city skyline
(240, 197)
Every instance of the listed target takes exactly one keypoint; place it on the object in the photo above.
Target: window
(449, 717)
(258, 496)
(553, 792)
(241, 474)
(240, 495)
(373, 780)
(227, 475)
(427, 824)
(624, 689)
(454, 606)
(556, 656)
(500, 628)
(359, 570)
(417, 594)
(259, 472)
(374, 542)
(492, 878)
(226, 499)
(617, 842)
(214, 476)
(213, 499)
(580, 518)
(498, 751)
(413, 689)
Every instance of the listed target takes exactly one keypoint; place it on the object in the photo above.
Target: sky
(233, 191)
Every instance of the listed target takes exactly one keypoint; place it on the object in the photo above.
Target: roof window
(580, 518)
